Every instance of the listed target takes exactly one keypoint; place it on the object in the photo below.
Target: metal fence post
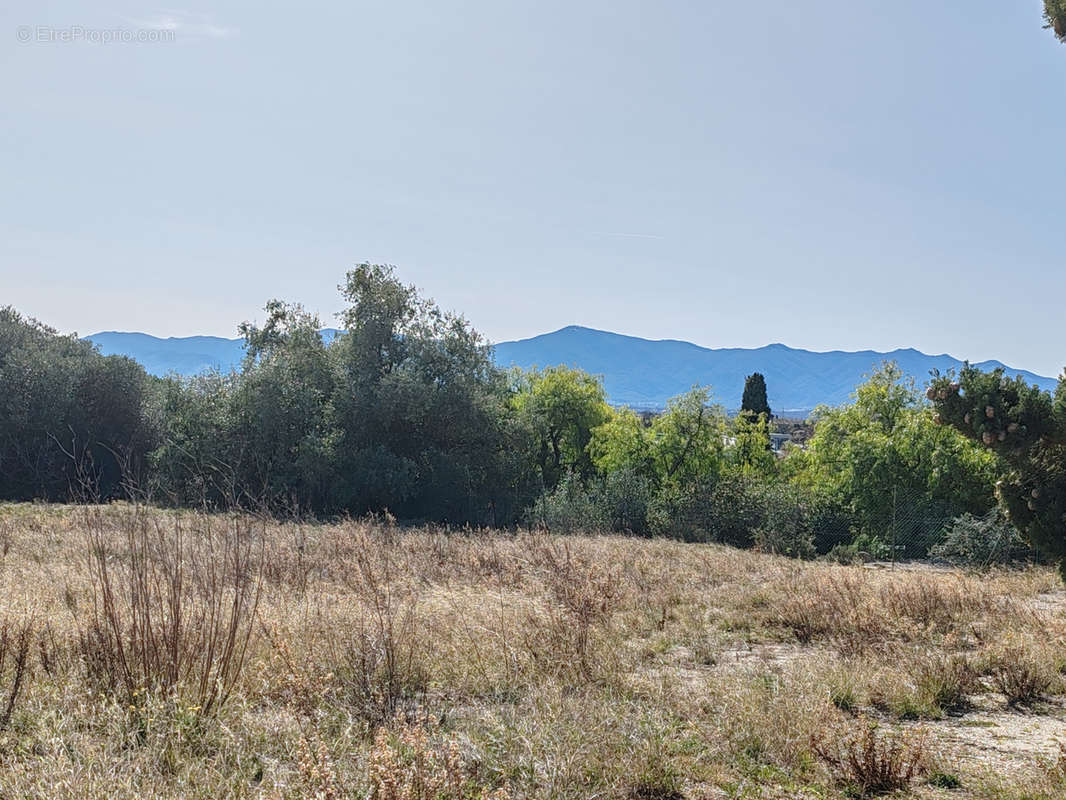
(895, 523)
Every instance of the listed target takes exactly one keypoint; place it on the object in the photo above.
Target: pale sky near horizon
(831, 175)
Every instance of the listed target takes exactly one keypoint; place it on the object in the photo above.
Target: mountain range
(641, 373)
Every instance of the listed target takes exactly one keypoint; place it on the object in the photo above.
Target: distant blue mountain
(644, 374)
(184, 355)
(641, 373)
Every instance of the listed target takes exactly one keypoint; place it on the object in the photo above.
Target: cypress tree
(754, 400)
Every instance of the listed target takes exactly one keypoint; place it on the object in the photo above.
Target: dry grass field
(157, 654)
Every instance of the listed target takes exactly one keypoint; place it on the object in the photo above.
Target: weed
(172, 613)
(871, 759)
(15, 643)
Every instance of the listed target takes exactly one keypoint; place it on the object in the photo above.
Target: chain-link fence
(908, 525)
(915, 524)
(894, 524)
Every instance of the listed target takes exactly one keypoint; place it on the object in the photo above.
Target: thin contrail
(629, 235)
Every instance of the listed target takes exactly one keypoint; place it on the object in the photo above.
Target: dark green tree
(280, 409)
(1026, 429)
(199, 461)
(754, 400)
(72, 421)
(1055, 17)
(423, 416)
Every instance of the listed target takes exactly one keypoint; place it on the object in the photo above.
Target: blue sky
(831, 175)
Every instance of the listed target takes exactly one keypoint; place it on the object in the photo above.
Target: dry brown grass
(173, 655)
(15, 643)
(1022, 672)
(869, 760)
(173, 603)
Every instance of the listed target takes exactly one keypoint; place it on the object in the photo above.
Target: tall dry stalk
(174, 599)
(583, 596)
(381, 656)
(15, 643)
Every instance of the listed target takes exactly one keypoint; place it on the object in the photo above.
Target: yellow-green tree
(687, 440)
(887, 445)
(622, 442)
(750, 451)
(562, 406)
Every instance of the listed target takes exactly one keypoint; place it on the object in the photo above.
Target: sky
(830, 174)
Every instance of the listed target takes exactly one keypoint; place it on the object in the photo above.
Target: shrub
(569, 508)
(847, 554)
(735, 510)
(1020, 675)
(871, 548)
(416, 761)
(944, 780)
(981, 541)
(784, 540)
(872, 760)
(786, 525)
(173, 605)
(624, 501)
(830, 521)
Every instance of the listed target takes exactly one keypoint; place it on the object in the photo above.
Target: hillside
(641, 373)
(645, 373)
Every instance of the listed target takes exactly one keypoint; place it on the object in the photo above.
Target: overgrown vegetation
(405, 413)
(414, 662)
(1024, 429)
(173, 604)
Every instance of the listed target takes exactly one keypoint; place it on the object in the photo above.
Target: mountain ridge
(638, 372)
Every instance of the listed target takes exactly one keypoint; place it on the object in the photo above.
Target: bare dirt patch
(1002, 741)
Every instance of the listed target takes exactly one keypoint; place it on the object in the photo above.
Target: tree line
(406, 413)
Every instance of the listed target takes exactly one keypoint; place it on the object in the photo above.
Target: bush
(624, 502)
(1020, 675)
(981, 541)
(743, 510)
(831, 522)
(174, 603)
(569, 508)
(864, 548)
(786, 526)
(737, 508)
(729, 510)
(872, 761)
